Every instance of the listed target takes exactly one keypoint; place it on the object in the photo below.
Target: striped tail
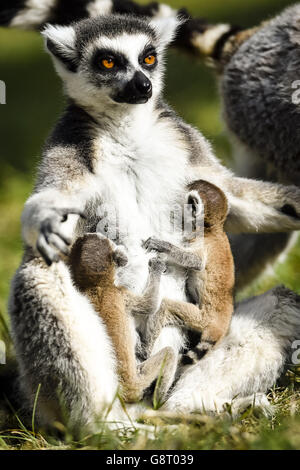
(34, 14)
(195, 35)
(195, 354)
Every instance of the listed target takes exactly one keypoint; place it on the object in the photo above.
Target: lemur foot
(154, 244)
(52, 242)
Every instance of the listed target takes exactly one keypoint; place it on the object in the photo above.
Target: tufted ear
(165, 29)
(60, 42)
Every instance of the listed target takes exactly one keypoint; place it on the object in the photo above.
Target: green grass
(34, 100)
(251, 431)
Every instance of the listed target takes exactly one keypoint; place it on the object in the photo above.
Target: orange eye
(108, 63)
(150, 59)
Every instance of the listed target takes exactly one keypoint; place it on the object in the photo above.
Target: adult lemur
(116, 144)
(258, 76)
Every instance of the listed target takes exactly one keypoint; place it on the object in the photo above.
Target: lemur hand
(158, 264)
(52, 241)
(153, 244)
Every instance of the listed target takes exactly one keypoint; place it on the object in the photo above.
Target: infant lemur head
(111, 59)
(211, 201)
(90, 259)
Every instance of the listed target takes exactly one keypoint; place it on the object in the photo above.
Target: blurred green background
(34, 101)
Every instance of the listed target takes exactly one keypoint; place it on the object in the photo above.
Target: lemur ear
(165, 29)
(60, 42)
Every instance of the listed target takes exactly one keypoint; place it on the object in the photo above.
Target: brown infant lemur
(208, 265)
(93, 261)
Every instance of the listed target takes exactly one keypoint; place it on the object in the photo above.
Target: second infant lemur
(211, 288)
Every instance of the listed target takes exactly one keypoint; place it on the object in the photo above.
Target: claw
(43, 249)
(52, 242)
(159, 246)
(157, 264)
(147, 245)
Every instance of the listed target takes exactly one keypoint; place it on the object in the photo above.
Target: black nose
(137, 91)
(142, 83)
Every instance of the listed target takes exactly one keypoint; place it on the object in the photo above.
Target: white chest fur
(141, 175)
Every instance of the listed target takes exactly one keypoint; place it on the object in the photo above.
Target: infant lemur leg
(163, 364)
(148, 303)
(93, 260)
(171, 312)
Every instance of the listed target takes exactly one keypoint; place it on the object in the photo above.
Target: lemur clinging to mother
(93, 261)
(99, 152)
(205, 262)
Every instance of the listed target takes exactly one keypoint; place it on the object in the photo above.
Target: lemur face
(126, 66)
(111, 59)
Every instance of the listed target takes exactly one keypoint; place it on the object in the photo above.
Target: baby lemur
(209, 289)
(92, 260)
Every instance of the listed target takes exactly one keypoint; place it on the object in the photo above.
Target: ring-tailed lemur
(118, 144)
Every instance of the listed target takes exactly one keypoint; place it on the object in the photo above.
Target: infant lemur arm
(180, 256)
(148, 302)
